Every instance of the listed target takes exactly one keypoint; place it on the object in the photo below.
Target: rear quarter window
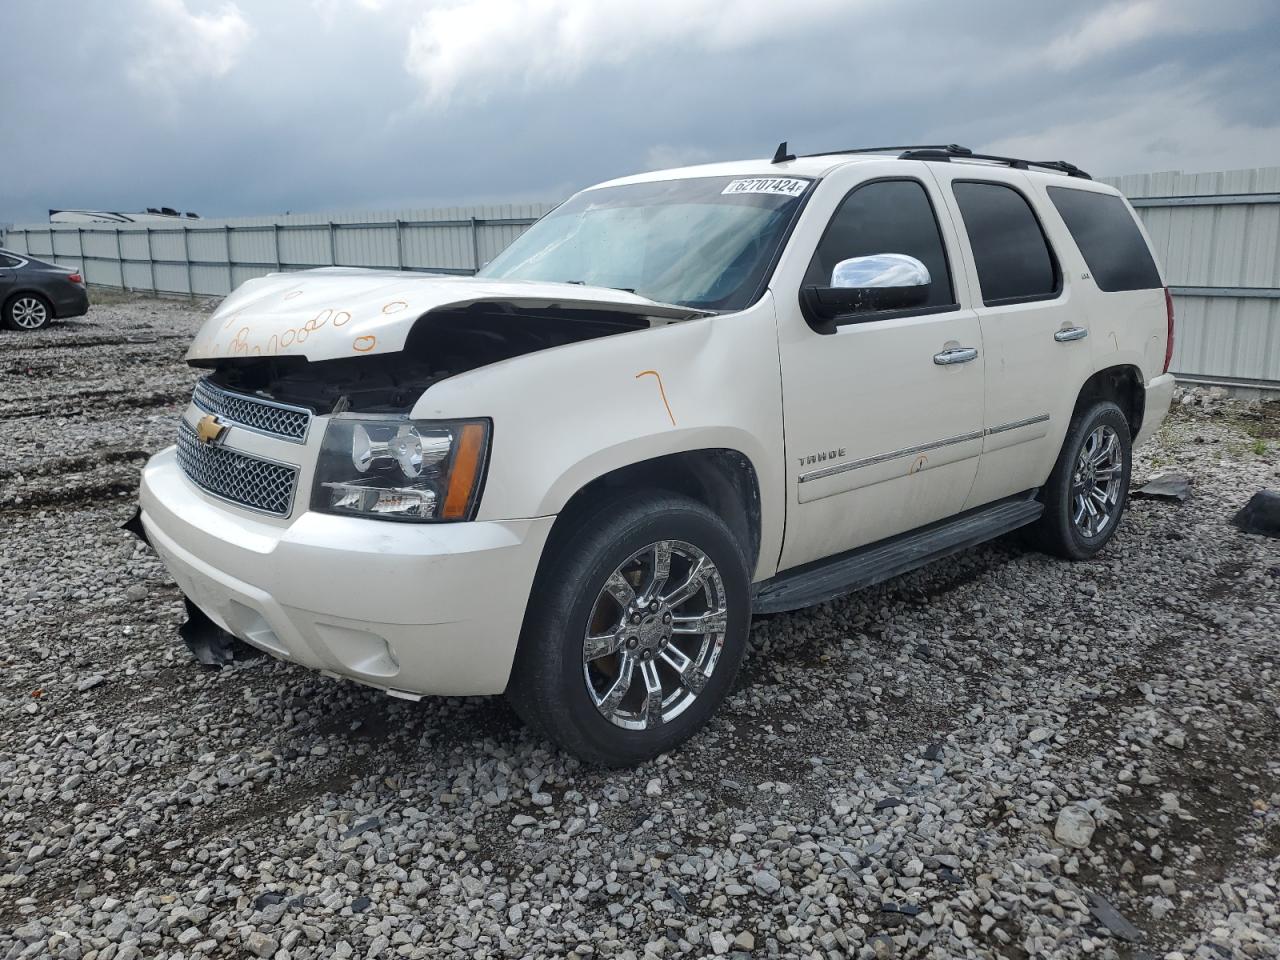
(1109, 239)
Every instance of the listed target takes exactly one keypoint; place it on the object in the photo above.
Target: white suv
(679, 398)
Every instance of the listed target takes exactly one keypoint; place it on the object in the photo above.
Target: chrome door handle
(955, 355)
(1067, 334)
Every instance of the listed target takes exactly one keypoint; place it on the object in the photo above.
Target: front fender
(566, 416)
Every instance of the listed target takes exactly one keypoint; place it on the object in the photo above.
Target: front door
(884, 416)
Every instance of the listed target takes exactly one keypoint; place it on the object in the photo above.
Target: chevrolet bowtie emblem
(209, 429)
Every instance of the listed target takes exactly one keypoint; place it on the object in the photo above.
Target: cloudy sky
(234, 107)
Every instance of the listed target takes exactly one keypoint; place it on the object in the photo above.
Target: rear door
(1035, 326)
(8, 280)
(882, 432)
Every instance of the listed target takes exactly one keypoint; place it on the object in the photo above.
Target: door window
(1108, 238)
(1010, 251)
(886, 216)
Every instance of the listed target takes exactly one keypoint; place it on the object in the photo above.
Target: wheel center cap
(652, 631)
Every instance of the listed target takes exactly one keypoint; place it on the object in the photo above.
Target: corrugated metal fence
(1217, 234)
(213, 257)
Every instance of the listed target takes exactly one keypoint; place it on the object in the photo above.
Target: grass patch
(112, 296)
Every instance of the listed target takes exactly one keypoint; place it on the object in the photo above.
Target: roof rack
(951, 148)
(783, 155)
(946, 153)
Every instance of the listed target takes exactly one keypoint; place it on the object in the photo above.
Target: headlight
(392, 468)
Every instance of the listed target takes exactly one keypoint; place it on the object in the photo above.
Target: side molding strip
(1005, 427)
(839, 468)
(882, 457)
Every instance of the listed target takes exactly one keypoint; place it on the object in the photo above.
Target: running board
(835, 576)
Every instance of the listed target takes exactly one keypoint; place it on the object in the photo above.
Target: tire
(27, 311)
(589, 583)
(1068, 528)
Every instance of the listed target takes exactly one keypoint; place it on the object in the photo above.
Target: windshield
(704, 242)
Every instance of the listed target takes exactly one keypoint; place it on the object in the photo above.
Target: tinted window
(1108, 238)
(890, 216)
(1009, 248)
(8, 261)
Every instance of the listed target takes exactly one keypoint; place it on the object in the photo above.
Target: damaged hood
(336, 312)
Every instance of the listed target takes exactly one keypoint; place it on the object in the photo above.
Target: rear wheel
(636, 627)
(27, 311)
(1086, 493)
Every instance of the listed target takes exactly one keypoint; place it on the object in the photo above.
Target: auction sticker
(782, 186)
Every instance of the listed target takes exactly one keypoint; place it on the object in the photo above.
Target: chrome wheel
(1095, 484)
(29, 313)
(655, 635)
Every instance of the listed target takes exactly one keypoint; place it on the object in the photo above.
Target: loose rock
(1074, 827)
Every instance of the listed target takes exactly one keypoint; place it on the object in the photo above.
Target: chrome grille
(253, 413)
(237, 477)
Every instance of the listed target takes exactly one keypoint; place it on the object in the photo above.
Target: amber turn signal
(465, 475)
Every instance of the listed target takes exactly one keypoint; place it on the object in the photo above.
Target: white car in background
(679, 398)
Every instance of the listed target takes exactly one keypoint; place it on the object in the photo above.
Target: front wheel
(636, 627)
(1087, 491)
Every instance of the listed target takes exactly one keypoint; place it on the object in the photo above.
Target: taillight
(75, 278)
(1168, 347)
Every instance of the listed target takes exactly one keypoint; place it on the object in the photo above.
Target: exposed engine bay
(442, 343)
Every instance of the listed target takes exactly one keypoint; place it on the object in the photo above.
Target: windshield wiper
(583, 283)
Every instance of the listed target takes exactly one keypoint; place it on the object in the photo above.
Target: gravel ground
(1000, 756)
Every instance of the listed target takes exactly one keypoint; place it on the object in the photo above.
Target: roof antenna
(781, 155)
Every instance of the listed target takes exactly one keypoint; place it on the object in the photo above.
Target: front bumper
(1159, 396)
(411, 608)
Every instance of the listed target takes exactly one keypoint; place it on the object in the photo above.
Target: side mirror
(884, 281)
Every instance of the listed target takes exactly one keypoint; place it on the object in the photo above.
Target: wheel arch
(722, 479)
(1122, 384)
